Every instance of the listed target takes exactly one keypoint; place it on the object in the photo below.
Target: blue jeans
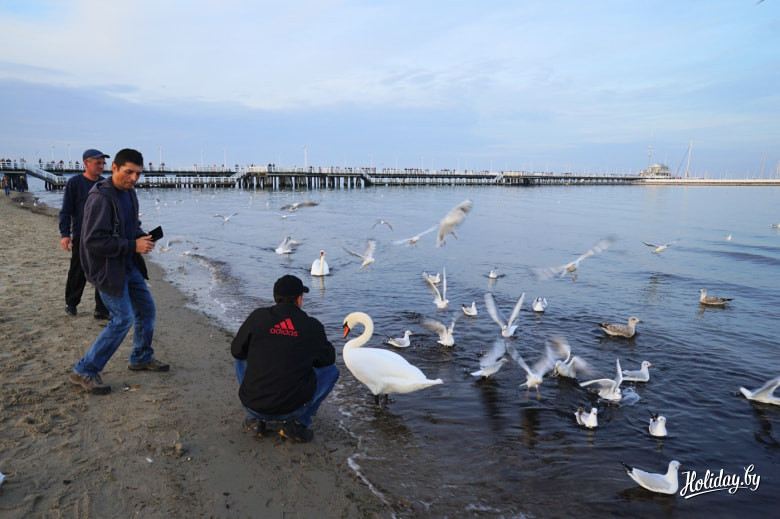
(134, 307)
(326, 379)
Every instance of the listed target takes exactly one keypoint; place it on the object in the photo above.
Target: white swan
(382, 371)
(320, 267)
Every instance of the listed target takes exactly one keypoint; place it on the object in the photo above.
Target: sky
(585, 87)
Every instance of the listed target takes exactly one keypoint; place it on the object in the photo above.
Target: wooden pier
(349, 178)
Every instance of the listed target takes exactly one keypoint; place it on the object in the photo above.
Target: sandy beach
(160, 444)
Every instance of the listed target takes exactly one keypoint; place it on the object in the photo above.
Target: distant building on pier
(656, 171)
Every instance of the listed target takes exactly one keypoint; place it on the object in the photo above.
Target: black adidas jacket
(281, 345)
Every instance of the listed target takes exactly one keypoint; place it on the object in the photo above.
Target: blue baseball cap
(94, 154)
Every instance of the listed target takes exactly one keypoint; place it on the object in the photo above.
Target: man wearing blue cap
(71, 214)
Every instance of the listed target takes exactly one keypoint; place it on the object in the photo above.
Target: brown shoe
(92, 383)
(152, 365)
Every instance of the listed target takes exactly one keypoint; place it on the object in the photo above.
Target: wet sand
(160, 444)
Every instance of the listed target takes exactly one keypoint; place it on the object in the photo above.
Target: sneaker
(255, 426)
(152, 365)
(71, 310)
(92, 383)
(102, 315)
(296, 432)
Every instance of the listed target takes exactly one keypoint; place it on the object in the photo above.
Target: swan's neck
(363, 338)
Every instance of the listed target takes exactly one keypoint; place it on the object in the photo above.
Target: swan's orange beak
(346, 330)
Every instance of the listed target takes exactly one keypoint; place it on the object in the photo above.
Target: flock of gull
(386, 372)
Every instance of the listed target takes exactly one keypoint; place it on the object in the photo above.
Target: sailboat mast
(688, 167)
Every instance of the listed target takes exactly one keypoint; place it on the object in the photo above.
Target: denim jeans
(134, 307)
(326, 379)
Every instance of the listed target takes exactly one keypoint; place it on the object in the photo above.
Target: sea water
(482, 448)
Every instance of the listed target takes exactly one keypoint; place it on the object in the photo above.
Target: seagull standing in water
(657, 425)
(618, 330)
(368, 254)
(452, 220)
(640, 375)
(440, 299)
(471, 311)
(507, 326)
(764, 394)
(400, 342)
(660, 483)
(608, 389)
(712, 301)
(589, 420)
(572, 266)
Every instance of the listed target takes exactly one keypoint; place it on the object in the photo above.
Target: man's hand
(144, 244)
(65, 243)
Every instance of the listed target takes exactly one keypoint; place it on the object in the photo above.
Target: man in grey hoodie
(112, 243)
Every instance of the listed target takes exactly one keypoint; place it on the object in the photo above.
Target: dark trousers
(74, 287)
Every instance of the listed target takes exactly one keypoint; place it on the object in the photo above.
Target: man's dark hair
(128, 155)
(286, 299)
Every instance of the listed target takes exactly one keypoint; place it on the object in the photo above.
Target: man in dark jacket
(284, 363)
(73, 200)
(111, 246)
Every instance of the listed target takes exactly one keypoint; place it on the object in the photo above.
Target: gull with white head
(225, 219)
(539, 304)
(589, 420)
(657, 425)
(445, 333)
(706, 300)
(287, 245)
(368, 254)
(608, 389)
(452, 220)
(400, 342)
(764, 394)
(543, 365)
(618, 330)
(471, 311)
(570, 367)
(440, 298)
(639, 375)
(508, 327)
(297, 205)
(572, 266)
(414, 239)
(657, 249)
(432, 278)
(492, 360)
(659, 483)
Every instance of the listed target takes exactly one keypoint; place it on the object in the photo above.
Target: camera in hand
(156, 233)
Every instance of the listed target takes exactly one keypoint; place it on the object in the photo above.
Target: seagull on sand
(764, 394)
(589, 420)
(712, 301)
(640, 375)
(287, 245)
(507, 326)
(471, 311)
(562, 270)
(368, 254)
(414, 239)
(657, 425)
(657, 249)
(452, 220)
(569, 367)
(608, 389)
(400, 342)
(225, 219)
(440, 299)
(535, 374)
(660, 483)
(492, 360)
(539, 304)
(618, 330)
(291, 208)
(445, 333)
